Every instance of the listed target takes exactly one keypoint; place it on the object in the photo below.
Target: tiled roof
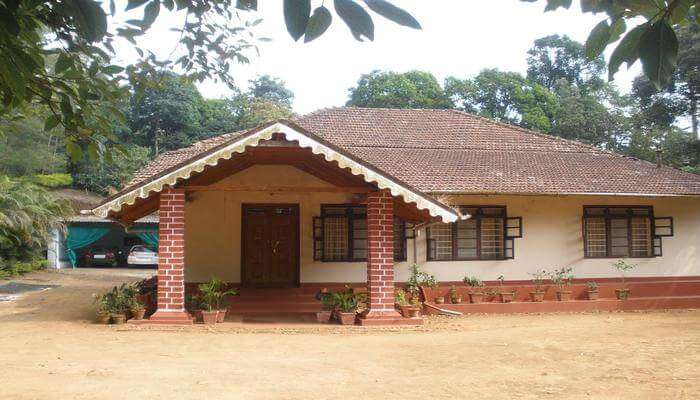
(452, 151)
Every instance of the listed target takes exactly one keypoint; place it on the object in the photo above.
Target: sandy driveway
(50, 350)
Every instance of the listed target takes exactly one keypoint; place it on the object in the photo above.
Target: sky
(459, 38)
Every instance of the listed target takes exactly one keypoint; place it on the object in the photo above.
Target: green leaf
(679, 10)
(150, 13)
(74, 151)
(318, 24)
(90, 19)
(617, 28)
(626, 51)
(51, 122)
(554, 4)
(135, 4)
(393, 13)
(63, 63)
(597, 40)
(112, 69)
(296, 16)
(658, 50)
(356, 18)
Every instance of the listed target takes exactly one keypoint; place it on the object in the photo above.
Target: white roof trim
(422, 201)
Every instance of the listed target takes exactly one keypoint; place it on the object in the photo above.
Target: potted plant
(407, 309)
(538, 278)
(622, 267)
(345, 304)
(505, 297)
(592, 290)
(430, 282)
(562, 278)
(221, 298)
(324, 316)
(476, 289)
(137, 309)
(117, 303)
(104, 308)
(455, 297)
(209, 301)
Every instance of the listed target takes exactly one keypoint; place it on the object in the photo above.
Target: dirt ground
(50, 349)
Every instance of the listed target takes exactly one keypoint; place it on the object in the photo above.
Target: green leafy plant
(623, 267)
(454, 294)
(400, 297)
(592, 286)
(326, 299)
(561, 277)
(345, 301)
(538, 279)
(212, 294)
(473, 282)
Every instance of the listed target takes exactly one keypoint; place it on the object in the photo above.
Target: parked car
(142, 255)
(101, 256)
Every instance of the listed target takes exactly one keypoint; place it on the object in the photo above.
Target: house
(355, 195)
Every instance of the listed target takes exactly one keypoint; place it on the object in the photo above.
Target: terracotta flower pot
(440, 300)
(221, 316)
(346, 318)
(323, 317)
(209, 317)
(506, 297)
(118, 318)
(564, 295)
(592, 295)
(537, 297)
(103, 317)
(456, 300)
(414, 312)
(138, 313)
(476, 297)
(622, 294)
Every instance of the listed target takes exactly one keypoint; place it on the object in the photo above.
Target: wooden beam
(280, 189)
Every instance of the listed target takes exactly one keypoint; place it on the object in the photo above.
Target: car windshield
(142, 249)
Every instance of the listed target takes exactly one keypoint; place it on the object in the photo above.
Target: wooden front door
(270, 245)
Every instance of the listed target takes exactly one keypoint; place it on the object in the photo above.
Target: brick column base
(380, 260)
(171, 260)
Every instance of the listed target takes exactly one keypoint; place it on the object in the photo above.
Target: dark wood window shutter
(318, 239)
(663, 226)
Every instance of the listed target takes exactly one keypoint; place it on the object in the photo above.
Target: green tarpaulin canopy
(79, 237)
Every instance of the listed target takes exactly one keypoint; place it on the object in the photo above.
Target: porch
(251, 215)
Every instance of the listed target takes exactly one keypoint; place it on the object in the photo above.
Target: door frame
(296, 227)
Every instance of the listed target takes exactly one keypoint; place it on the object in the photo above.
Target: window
(340, 234)
(623, 231)
(487, 235)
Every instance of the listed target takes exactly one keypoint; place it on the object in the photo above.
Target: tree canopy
(413, 89)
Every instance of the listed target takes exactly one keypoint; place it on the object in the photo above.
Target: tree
(413, 89)
(61, 53)
(27, 149)
(28, 213)
(654, 41)
(504, 96)
(598, 119)
(555, 57)
(103, 177)
(167, 115)
(271, 89)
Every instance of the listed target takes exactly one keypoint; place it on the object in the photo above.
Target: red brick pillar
(380, 258)
(171, 259)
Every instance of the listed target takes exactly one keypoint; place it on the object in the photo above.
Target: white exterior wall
(552, 234)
